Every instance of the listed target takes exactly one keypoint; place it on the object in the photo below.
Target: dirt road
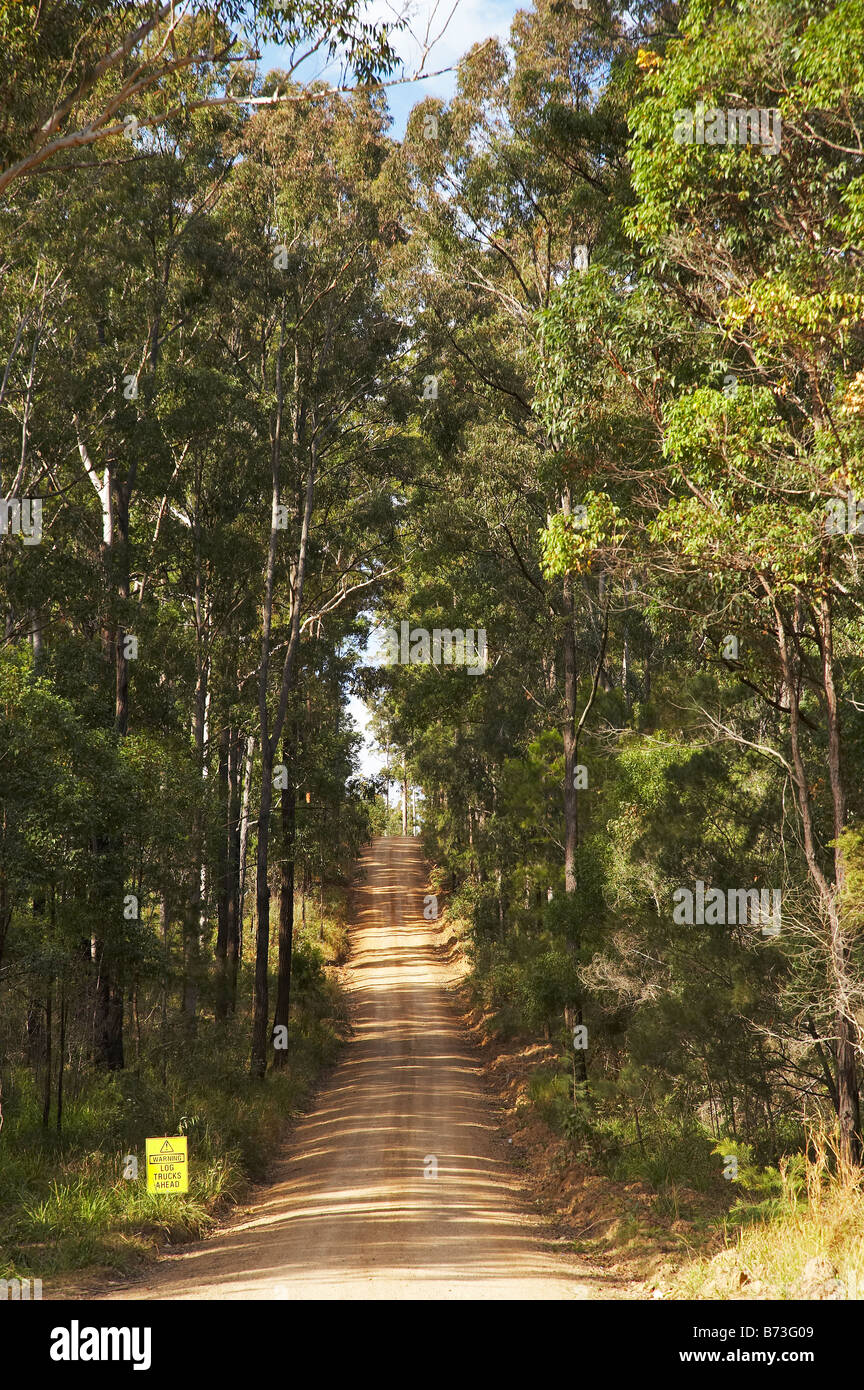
(352, 1212)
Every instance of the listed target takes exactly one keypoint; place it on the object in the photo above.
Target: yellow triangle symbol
(165, 1146)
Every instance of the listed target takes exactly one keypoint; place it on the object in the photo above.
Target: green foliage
(65, 1203)
(694, 633)
(649, 368)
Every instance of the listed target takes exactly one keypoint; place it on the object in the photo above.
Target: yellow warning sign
(167, 1165)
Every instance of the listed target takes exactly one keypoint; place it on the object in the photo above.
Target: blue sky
(471, 22)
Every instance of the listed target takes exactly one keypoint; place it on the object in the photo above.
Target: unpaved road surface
(352, 1214)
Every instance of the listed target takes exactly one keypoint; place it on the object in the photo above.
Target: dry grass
(810, 1244)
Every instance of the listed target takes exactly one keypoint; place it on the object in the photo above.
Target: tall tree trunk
(61, 1057)
(5, 909)
(572, 731)
(235, 753)
(270, 736)
(262, 915)
(571, 805)
(286, 892)
(849, 1105)
(115, 500)
(120, 556)
(191, 951)
(46, 1089)
(846, 1092)
(244, 852)
(195, 893)
(223, 889)
(165, 914)
(108, 1019)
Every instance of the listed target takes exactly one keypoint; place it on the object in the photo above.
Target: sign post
(167, 1164)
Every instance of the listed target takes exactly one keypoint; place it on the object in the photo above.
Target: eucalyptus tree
(747, 387)
(73, 74)
(515, 183)
(316, 345)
